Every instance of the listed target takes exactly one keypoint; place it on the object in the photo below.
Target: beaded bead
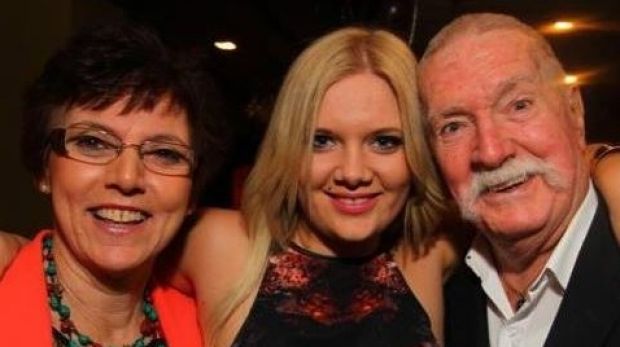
(54, 302)
(51, 268)
(84, 340)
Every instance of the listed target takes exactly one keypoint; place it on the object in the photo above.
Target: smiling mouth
(120, 216)
(508, 185)
(354, 205)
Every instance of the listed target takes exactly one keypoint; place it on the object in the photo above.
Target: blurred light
(585, 76)
(571, 79)
(563, 26)
(225, 45)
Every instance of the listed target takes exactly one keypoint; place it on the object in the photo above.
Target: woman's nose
(126, 172)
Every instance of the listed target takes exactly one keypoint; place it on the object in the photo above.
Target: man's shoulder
(463, 279)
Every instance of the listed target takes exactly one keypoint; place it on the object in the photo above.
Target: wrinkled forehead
(477, 52)
(470, 63)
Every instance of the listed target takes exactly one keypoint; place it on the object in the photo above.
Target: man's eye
(322, 142)
(387, 143)
(450, 128)
(521, 105)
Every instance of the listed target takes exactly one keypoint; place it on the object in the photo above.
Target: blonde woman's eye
(322, 142)
(387, 143)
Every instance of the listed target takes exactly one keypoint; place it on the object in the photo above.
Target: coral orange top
(25, 317)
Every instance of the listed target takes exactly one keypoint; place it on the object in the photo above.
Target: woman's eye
(90, 143)
(166, 155)
(387, 143)
(322, 142)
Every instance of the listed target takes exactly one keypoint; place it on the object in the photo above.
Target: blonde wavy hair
(270, 199)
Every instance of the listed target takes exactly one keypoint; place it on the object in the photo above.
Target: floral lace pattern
(310, 300)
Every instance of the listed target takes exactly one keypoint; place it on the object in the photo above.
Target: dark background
(269, 34)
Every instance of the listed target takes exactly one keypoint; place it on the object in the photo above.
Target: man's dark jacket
(589, 315)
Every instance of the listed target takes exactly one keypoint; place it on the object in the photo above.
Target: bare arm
(425, 275)
(212, 261)
(606, 176)
(9, 246)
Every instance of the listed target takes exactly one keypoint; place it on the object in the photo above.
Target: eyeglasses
(96, 146)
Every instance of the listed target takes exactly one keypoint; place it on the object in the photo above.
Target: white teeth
(353, 201)
(120, 216)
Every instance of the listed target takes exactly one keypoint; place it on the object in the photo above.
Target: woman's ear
(43, 183)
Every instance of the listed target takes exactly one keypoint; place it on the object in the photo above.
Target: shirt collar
(564, 256)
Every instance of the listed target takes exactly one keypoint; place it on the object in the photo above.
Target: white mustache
(513, 170)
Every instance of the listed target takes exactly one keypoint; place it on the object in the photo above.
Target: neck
(332, 247)
(107, 308)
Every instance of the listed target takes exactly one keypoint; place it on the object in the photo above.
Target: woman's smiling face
(117, 217)
(358, 178)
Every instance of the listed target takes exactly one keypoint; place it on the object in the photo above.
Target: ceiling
(270, 33)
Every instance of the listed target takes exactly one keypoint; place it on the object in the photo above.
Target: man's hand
(606, 177)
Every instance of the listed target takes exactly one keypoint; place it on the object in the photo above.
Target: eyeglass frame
(58, 141)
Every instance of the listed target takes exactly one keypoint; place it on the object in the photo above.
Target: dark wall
(30, 30)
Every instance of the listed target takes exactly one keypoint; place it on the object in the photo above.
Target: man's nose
(493, 144)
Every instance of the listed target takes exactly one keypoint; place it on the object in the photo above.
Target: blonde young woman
(336, 241)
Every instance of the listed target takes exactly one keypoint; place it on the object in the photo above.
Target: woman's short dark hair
(110, 62)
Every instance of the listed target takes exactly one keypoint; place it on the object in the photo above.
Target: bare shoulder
(215, 252)
(439, 258)
(426, 272)
(218, 227)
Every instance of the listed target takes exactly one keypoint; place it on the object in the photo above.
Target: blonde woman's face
(358, 180)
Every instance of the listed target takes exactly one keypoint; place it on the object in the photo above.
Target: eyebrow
(155, 138)
(376, 131)
(507, 86)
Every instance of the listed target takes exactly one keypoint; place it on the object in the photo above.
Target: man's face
(508, 138)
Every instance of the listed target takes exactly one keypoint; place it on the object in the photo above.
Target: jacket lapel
(466, 313)
(591, 304)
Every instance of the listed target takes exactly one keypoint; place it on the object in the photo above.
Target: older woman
(114, 134)
(336, 245)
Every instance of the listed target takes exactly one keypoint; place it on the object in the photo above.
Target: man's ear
(576, 110)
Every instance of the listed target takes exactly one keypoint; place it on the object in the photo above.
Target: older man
(508, 136)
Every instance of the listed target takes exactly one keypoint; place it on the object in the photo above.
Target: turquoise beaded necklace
(68, 335)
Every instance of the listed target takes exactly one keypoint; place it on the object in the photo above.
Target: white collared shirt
(530, 325)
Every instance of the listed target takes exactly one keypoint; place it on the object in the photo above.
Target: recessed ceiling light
(225, 45)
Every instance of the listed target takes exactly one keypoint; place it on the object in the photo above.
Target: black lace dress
(307, 300)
